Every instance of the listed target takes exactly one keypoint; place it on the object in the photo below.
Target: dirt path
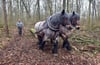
(24, 51)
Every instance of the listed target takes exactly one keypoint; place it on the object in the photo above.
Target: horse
(50, 28)
(75, 23)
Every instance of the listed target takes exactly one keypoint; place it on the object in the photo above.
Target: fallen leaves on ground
(24, 51)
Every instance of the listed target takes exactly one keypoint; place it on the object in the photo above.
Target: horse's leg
(64, 40)
(39, 39)
(51, 41)
(55, 48)
(66, 44)
(41, 46)
(43, 41)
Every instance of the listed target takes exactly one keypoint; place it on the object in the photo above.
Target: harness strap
(53, 28)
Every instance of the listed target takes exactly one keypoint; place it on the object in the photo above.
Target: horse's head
(64, 18)
(75, 20)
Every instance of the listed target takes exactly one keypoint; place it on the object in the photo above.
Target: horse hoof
(63, 46)
(69, 48)
(40, 48)
(55, 55)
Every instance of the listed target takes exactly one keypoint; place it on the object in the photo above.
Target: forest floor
(17, 50)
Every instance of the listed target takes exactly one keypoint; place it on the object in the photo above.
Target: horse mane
(73, 12)
(63, 12)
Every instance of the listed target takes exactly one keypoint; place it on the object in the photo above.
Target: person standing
(19, 25)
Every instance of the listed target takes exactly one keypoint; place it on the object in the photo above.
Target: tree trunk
(26, 8)
(38, 3)
(93, 12)
(68, 6)
(78, 6)
(5, 17)
(89, 14)
(55, 5)
(64, 4)
(10, 11)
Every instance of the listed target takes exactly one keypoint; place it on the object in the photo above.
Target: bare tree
(50, 6)
(10, 10)
(93, 11)
(64, 4)
(78, 6)
(5, 17)
(27, 8)
(68, 6)
(55, 5)
(98, 9)
(90, 12)
(38, 9)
